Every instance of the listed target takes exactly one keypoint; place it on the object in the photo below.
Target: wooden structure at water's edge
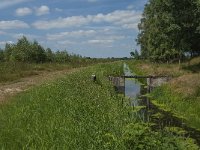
(119, 83)
(152, 81)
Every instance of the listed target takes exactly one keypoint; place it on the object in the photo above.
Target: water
(134, 91)
(148, 112)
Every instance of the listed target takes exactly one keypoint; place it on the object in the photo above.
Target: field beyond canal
(74, 112)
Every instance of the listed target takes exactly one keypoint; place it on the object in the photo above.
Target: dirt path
(10, 89)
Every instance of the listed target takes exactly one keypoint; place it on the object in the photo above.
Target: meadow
(76, 113)
(14, 71)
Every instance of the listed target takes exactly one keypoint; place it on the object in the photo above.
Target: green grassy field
(76, 113)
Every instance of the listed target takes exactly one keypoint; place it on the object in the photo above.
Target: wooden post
(149, 85)
(124, 86)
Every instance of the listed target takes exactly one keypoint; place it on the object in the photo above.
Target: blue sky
(93, 28)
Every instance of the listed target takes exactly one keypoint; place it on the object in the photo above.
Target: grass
(182, 94)
(76, 113)
(65, 114)
(143, 67)
(11, 71)
(187, 108)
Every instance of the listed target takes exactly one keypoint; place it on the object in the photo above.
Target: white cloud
(92, 1)
(3, 43)
(58, 10)
(7, 3)
(23, 11)
(2, 32)
(42, 10)
(39, 11)
(13, 24)
(74, 21)
(115, 37)
(66, 42)
(85, 37)
(72, 34)
(20, 35)
(123, 18)
(130, 6)
(105, 39)
(92, 36)
(101, 41)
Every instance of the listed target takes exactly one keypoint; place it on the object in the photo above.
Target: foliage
(169, 29)
(1, 55)
(140, 136)
(135, 54)
(187, 107)
(32, 52)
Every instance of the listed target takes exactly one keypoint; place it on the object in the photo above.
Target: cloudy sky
(94, 28)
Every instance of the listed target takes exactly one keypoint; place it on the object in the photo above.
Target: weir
(148, 112)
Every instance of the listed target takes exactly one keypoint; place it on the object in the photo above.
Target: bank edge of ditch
(74, 112)
(181, 95)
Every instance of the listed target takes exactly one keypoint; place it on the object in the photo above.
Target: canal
(146, 111)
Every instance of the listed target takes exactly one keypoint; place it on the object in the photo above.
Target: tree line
(32, 52)
(169, 30)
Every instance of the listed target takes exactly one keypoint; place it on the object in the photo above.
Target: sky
(91, 28)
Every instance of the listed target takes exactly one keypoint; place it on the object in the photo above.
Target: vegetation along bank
(74, 112)
(181, 95)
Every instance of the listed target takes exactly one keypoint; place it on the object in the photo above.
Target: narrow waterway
(148, 112)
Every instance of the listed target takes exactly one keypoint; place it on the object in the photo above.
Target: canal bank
(145, 109)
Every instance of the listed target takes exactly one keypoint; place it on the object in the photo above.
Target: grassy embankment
(12, 71)
(182, 94)
(77, 113)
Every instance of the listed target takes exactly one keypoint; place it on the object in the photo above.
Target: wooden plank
(136, 76)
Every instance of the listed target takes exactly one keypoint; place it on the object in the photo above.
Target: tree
(32, 52)
(25, 51)
(169, 29)
(49, 55)
(1, 55)
(8, 51)
(21, 51)
(62, 56)
(135, 54)
(37, 53)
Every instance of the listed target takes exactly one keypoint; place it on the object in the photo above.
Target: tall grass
(76, 113)
(11, 71)
(186, 107)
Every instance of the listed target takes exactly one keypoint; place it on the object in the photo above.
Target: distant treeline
(32, 52)
(170, 30)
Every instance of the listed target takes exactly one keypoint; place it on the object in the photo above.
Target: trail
(8, 90)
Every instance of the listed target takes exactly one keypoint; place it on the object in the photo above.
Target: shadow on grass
(193, 68)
